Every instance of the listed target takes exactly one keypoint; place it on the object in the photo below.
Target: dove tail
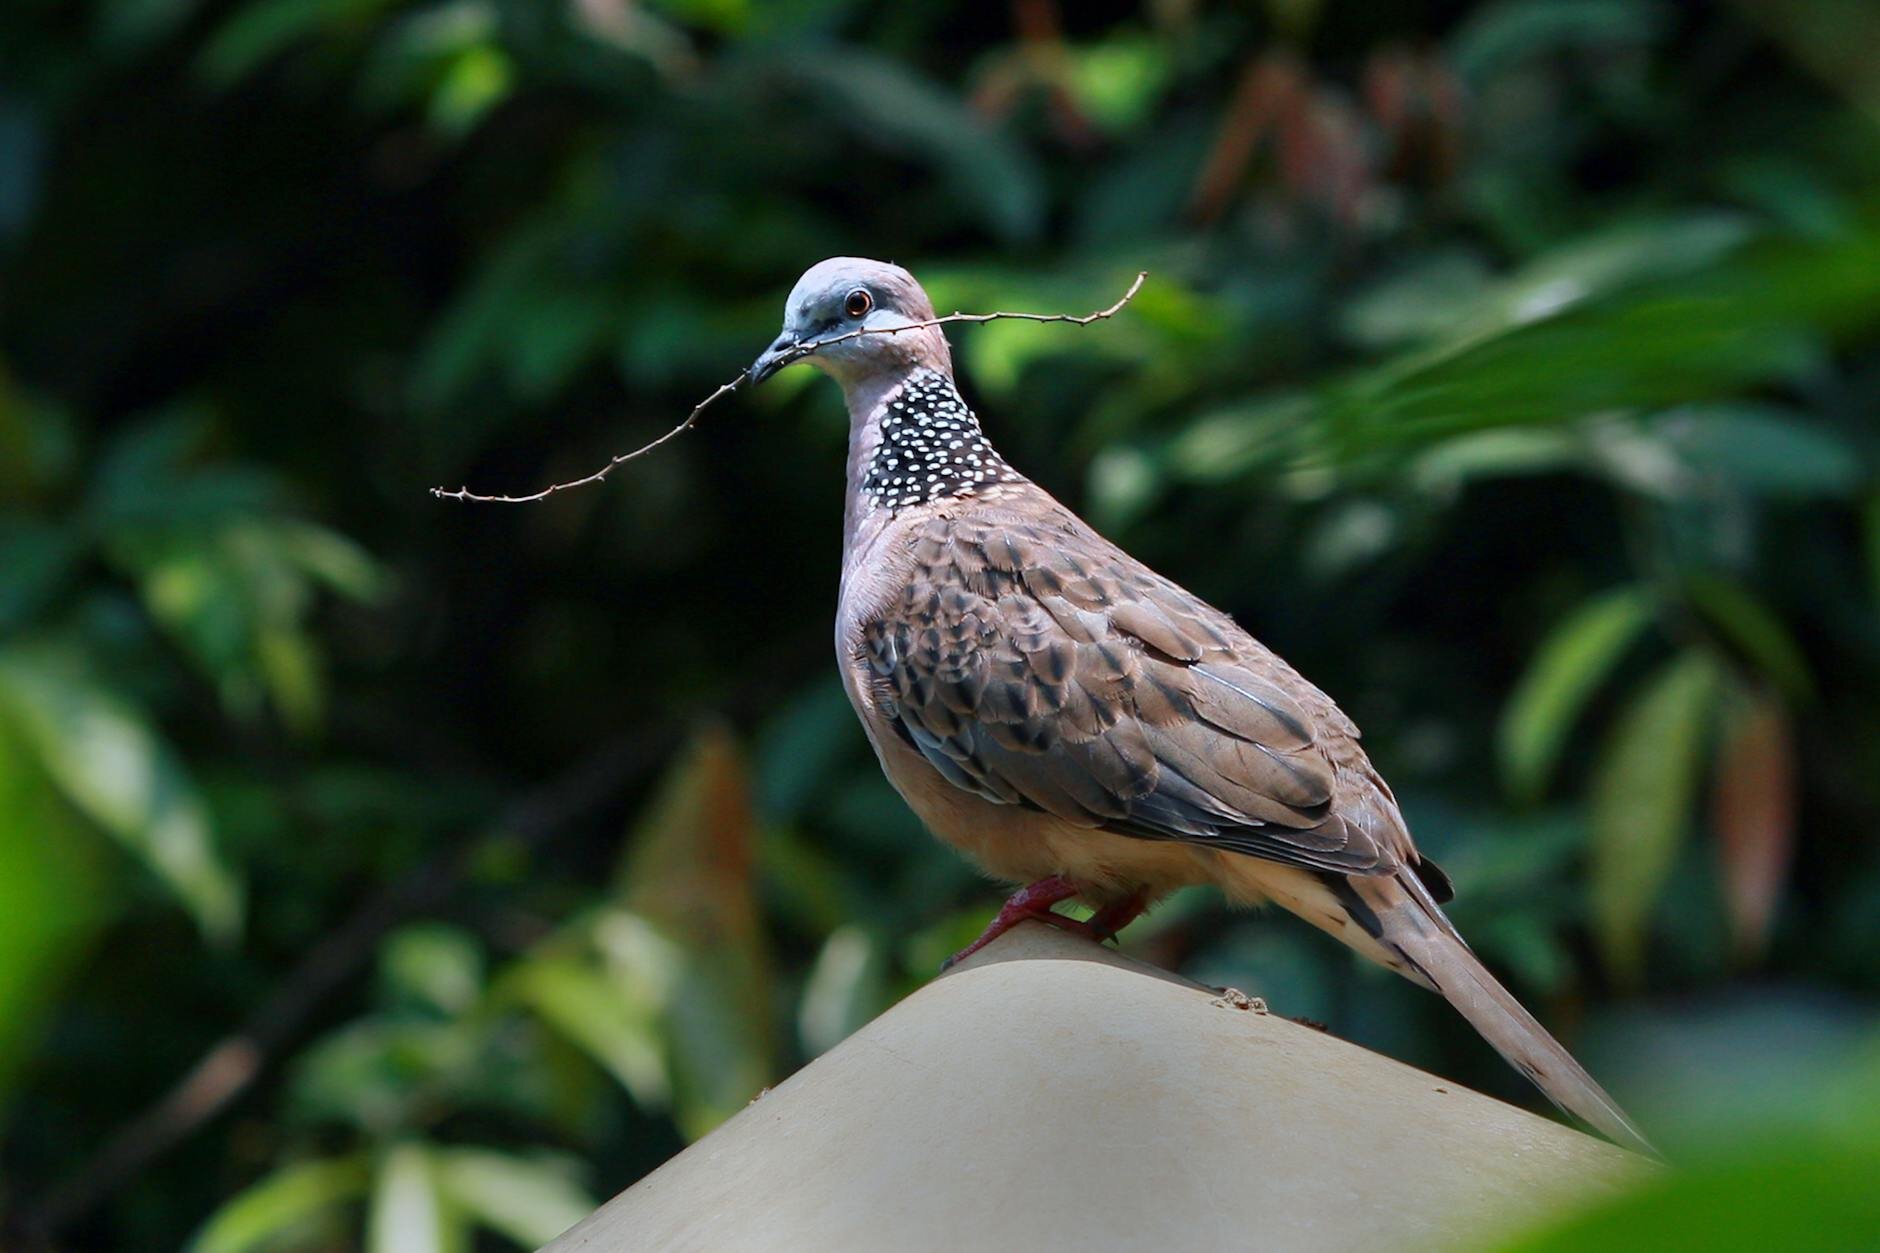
(1401, 916)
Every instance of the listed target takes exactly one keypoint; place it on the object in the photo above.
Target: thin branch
(464, 493)
(794, 354)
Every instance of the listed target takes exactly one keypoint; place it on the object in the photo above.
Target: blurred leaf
(263, 1215)
(1528, 946)
(105, 756)
(1752, 315)
(1427, 298)
(555, 331)
(1348, 534)
(1229, 442)
(262, 29)
(632, 28)
(129, 26)
(1643, 790)
(237, 595)
(484, 324)
(846, 988)
(613, 1020)
(1459, 311)
(529, 1199)
(727, 16)
(52, 895)
(1789, 191)
(800, 746)
(889, 103)
(38, 443)
(1118, 81)
(1569, 665)
(691, 872)
(1831, 38)
(1498, 37)
(377, 1072)
(1795, 1195)
(36, 558)
(1749, 626)
(1453, 463)
(148, 480)
(409, 1211)
(807, 886)
(1762, 449)
(433, 964)
(290, 671)
(476, 81)
(1122, 485)
(329, 558)
(1583, 270)
(1795, 1173)
(1754, 805)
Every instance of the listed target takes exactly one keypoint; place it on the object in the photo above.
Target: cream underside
(1020, 845)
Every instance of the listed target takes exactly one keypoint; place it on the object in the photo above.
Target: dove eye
(858, 303)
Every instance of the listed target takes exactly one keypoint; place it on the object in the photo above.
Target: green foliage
(287, 1202)
(1804, 1181)
(1569, 665)
(102, 755)
(1642, 793)
(1509, 369)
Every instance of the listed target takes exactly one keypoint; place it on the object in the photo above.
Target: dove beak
(773, 358)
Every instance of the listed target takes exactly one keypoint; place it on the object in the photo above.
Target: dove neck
(914, 442)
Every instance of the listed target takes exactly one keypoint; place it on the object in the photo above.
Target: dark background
(1511, 368)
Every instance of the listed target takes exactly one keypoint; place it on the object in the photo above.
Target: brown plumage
(1069, 718)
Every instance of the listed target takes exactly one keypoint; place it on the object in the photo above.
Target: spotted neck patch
(931, 447)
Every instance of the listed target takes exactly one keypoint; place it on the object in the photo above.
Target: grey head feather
(823, 306)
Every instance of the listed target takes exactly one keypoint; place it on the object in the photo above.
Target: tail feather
(1402, 917)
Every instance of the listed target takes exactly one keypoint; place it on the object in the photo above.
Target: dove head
(842, 295)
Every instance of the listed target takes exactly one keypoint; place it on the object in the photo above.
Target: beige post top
(1050, 1095)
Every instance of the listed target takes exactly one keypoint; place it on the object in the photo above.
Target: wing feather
(1033, 663)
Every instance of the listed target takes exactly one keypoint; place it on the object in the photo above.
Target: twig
(233, 1063)
(464, 493)
(794, 354)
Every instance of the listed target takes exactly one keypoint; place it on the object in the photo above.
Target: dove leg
(1106, 922)
(1031, 901)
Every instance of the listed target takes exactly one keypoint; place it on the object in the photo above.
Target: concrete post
(1050, 1094)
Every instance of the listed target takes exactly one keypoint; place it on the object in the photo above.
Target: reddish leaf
(1753, 808)
(1272, 88)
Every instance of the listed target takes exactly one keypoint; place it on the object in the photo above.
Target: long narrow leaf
(1569, 666)
(1754, 630)
(410, 1212)
(1643, 792)
(1754, 815)
(529, 1200)
(257, 1217)
(53, 897)
(1752, 316)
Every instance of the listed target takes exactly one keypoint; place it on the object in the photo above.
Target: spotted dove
(1071, 720)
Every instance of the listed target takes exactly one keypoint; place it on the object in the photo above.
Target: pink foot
(1032, 901)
